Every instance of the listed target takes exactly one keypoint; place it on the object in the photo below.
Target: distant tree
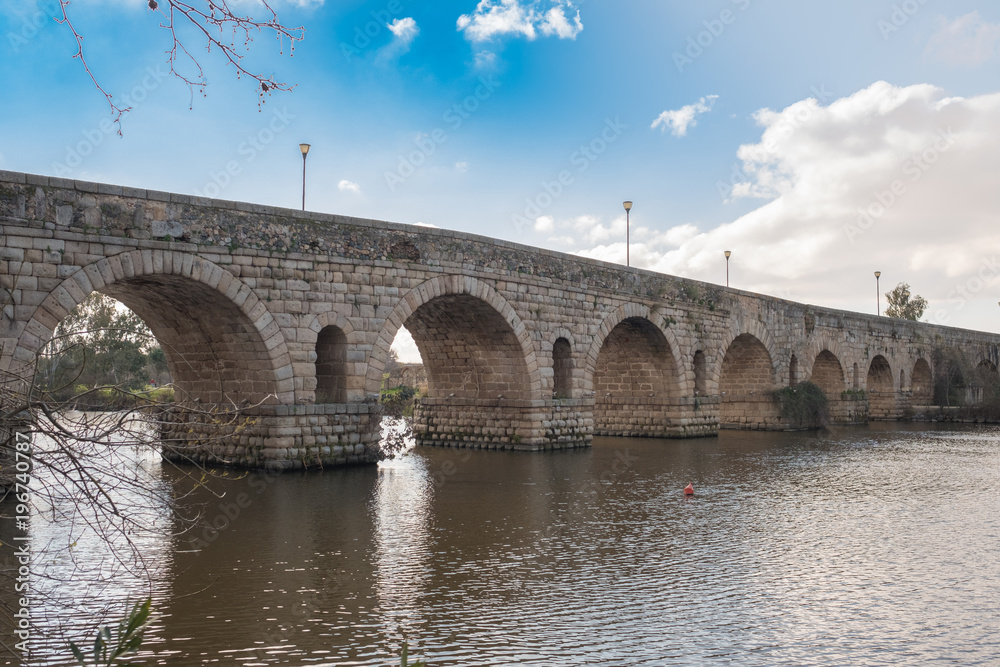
(903, 305)
(217, 26)
(98, 344)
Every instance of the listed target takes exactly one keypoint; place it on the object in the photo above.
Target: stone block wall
(287, 437)
(508, 424)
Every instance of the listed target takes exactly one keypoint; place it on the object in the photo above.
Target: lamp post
(728, 253)
(878, 297)
(305, 151)
(628, 208)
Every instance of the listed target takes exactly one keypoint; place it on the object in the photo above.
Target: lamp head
(728, 253)
(627, 205)
(304, 148)
(878, 274)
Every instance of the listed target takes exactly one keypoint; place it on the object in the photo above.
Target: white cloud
(557, 23)
(485, 60)
(545, 224)
(349, 186)
(404, 29)
(968, 40)
(896, 179)
(681, 119)
(462, 167)
(496, 18)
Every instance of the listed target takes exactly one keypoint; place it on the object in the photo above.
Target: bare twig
(222, 28)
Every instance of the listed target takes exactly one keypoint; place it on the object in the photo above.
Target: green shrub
(804, 405)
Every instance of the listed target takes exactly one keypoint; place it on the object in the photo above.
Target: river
(860, 546)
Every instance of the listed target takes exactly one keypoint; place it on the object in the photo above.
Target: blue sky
(817, 141)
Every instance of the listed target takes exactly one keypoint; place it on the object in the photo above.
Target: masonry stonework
(288, 317)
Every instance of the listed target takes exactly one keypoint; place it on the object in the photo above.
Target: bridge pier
(519, 425)
(274, 437)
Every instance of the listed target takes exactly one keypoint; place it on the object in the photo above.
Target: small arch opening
(562, 369)
(700, 374)
(331, 365)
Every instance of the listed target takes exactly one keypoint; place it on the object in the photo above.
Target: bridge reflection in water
(853, 547)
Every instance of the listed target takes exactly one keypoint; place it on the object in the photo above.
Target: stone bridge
(289, 317)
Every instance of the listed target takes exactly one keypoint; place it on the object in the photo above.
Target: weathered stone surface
(288, 317)
(160, 228)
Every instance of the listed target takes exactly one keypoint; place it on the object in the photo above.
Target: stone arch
(332, 337)
(700, 374)
(635, 312)
(881, 390)
(221, 342)
(635, 375)
(743, 326)
(987, 382)
(828, 374)
(567, 378)
(493, 359)
(921, 383)
(562, 368)
(746, 378)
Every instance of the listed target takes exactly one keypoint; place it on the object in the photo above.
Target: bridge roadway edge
(649, 354)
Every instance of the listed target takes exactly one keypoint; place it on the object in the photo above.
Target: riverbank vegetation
(803, 406)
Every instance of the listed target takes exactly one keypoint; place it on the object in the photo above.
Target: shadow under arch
(484, 384)
(747, 377)
(635, 373)
(469, 316)
(222, 344)
(881, 389)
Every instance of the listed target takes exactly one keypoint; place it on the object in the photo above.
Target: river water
(861, 546)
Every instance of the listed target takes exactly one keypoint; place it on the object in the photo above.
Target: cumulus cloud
(967, 40)
(679, 120)
(499, 18)
(462, 167)
(896, 179)
(404, 29)
(349, 186)
(545, 224)
(556, 22)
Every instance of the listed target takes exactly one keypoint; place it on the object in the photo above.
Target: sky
(818, 142)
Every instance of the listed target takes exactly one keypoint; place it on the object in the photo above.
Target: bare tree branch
(223, 29)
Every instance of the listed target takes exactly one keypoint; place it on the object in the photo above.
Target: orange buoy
(689, 490)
